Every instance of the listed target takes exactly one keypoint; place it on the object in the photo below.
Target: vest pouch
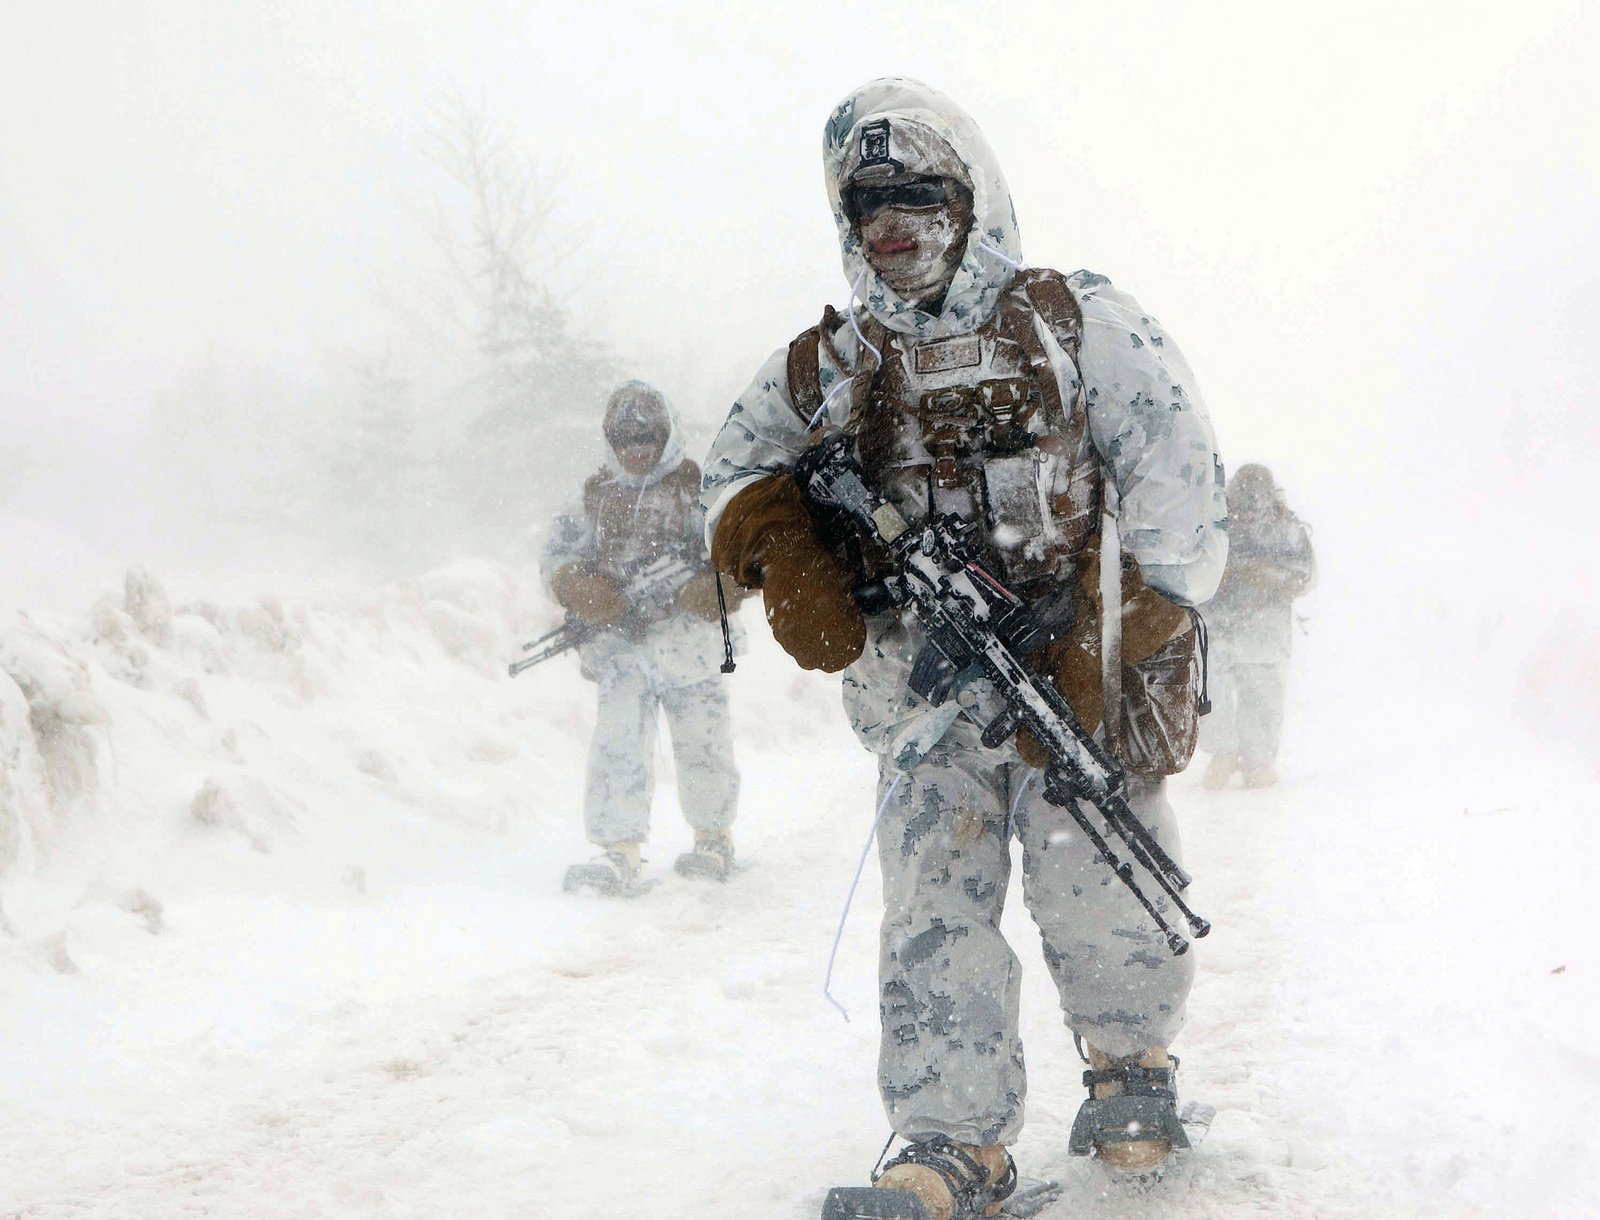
(1161, 707)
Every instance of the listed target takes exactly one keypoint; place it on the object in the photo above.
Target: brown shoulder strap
(805, 367)
(1048, 296)
(1051, 296)
(1017, 310)
(1053, 300)
(685, 484)
(805, 361)
(593, 488)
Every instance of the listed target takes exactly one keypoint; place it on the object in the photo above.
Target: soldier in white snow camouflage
(1270, 564)
(1016, 398)
(642, 507)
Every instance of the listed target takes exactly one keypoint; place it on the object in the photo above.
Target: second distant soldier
(1270, 563)
(643, 507)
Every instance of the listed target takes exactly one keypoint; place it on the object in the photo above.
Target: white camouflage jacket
(1147, 419)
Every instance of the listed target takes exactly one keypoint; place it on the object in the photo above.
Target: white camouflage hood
(671, 453)
(892, 119)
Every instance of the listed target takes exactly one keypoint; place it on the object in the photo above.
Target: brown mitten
(767, 540)
(592, 595)
(1073, 664)
(1148, 619)
(1268, 583)
(699, 597)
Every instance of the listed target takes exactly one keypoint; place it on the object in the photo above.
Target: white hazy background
(305, 821)
(1372, 228)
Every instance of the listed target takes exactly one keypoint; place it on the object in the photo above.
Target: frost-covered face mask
(913, 239)
(639, 449)
(637, 432)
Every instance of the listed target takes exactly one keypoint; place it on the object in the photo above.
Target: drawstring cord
(1204, 706)
(883, 806)
(1002, 256)
(828, 401)
(855, 291)
(827, 981)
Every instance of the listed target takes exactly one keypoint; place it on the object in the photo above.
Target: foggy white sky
(1374, 232)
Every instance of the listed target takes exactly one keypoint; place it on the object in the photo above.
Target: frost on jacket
(1146, 417)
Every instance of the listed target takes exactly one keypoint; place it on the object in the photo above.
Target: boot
(1148, 1110)
(711, 858)
(952, 1181)
(1220, 771)
(1264, 776)
(614, 873)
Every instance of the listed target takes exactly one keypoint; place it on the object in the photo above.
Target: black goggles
(921, 193)
(630, 435)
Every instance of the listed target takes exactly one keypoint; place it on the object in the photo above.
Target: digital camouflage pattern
(950, 1061)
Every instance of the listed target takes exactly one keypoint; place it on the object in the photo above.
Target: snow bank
(48, 714)
(266, 745)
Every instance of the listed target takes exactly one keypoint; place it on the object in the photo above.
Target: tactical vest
(635, 525)
(978, 425)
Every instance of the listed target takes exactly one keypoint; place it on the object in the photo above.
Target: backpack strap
(1052, 299)
(1048, 297)
(595, 488)
(805, 364)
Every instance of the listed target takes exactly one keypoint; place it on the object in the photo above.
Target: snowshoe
(711, 859)
(870, 1203)
(944, 1174)
(613, 874)
(1196, 1119)
(1030, 1198)
(1135, 1127)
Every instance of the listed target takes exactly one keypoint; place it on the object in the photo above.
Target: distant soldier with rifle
(629, 564)
(918, 488)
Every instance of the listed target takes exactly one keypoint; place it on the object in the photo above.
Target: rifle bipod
(1061, 791)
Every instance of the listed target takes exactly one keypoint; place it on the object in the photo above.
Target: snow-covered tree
(231, 452)
(508, 430)
(379, 477)
(460, 437)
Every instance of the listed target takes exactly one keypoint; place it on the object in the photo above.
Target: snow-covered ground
(286, 940)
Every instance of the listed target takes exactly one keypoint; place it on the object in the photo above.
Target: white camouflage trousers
(950, 1060)
(616, 804)
(1246, 717)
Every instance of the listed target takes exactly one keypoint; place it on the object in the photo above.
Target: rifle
(978, 628)
(649, 591)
